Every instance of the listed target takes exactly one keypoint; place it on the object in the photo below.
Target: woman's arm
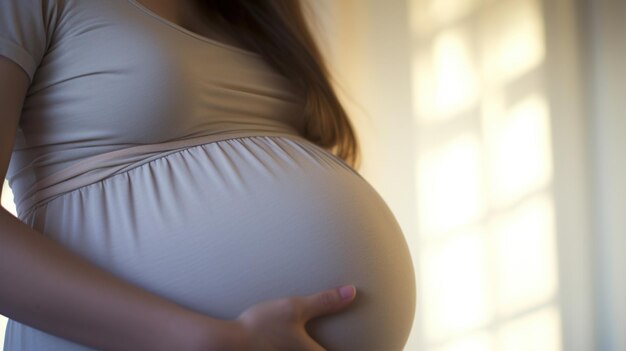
(50, 288)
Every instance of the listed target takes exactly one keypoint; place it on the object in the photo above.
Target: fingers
(328, 302)
(280, 324)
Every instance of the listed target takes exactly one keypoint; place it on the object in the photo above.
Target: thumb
(328, 302)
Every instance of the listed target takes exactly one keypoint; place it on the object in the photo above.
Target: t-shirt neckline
(188, 32)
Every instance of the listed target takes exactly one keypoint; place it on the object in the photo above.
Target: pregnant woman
(182, 172)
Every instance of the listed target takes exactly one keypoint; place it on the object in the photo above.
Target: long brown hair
(277, 30)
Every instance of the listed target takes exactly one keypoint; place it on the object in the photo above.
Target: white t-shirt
(110, 74)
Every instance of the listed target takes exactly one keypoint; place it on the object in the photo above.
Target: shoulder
(29, 29)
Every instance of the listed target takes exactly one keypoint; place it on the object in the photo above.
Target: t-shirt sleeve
(26, 28)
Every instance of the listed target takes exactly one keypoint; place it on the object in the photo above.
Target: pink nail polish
(347, 292)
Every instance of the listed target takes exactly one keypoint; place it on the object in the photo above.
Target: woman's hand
(279, 325)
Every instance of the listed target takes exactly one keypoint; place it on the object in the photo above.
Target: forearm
(49, 288)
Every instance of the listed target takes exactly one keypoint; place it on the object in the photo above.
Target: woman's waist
(36, 181)
(103, 166)
(241, 194)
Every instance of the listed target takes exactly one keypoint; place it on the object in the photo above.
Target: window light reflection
(448, 11)
(449, 182)
(513, 39)
(485, 208)
(455, 274)
(429, 15)
(524, 242)
(538, 331)
(477, 342)
(519, 149)
(456, 81)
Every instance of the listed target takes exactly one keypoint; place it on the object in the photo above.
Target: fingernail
(347, 292)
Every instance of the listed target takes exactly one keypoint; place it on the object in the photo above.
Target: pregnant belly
(222, 226)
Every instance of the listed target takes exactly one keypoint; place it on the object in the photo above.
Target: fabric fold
(100, 167)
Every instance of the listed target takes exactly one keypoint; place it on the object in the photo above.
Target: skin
(48, 287)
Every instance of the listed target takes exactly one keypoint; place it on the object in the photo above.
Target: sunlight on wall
(456, 285)
(488, 266)
(518, 144)
(478, 342)
(447, 201)
(456, 81)
(451, 83)
(448, 11)
(537, 331)
(513, 41)
(523, 241)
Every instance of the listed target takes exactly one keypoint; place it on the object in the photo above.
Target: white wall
(565, 63)
(606, 72)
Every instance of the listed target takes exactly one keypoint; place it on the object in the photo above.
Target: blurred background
(496, 132)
